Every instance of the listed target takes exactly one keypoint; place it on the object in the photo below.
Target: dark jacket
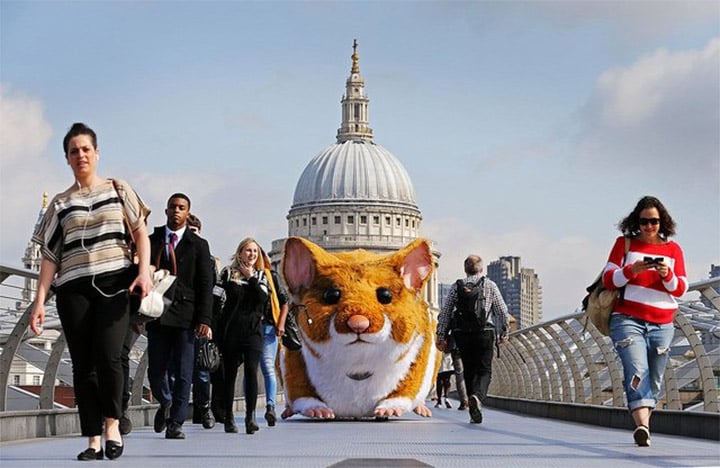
(193, 295)
(241, 320)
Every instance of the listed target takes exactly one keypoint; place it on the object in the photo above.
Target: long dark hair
(630, 225)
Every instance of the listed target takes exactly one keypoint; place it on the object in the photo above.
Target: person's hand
(641, 265)
(37, 318)
(441, 345)
(142, 285)
(503, 339)
(280, 331)
(663, 269)
(246, 270)
(203, 331)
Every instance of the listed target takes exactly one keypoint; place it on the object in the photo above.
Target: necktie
(172, 242)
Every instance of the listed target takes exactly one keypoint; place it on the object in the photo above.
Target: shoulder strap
(173, 259)
(621, 295)
(131, 244)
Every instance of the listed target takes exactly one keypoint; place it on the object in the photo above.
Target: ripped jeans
(644, 349)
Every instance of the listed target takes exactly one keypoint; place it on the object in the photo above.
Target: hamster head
(358, 296)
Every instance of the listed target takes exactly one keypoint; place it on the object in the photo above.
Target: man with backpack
(476, 316)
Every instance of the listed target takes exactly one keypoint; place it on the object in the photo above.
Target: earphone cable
(82, 244)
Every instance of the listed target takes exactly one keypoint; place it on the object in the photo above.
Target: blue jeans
(644, 349)
(267, 363)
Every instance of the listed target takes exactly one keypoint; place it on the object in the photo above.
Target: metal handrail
(596, 372)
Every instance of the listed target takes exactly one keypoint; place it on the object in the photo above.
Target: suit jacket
(193, 295)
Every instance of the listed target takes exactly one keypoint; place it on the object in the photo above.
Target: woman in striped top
(85, 257)
(652, 273)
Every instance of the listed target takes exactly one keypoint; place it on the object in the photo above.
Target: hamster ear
(298, 265)
(417, 264)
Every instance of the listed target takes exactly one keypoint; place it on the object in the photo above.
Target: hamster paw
(386, 412)
(423, 411)
(312, 408)
(319, 413)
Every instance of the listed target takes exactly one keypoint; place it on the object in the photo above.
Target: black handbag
(208, 356)
(291, 338)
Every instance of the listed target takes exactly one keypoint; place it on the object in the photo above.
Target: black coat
(240, 323)
(193, 296)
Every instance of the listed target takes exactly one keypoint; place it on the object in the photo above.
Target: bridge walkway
(445, 440)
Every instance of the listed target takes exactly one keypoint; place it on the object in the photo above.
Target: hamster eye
(384, 295)
(331, 296)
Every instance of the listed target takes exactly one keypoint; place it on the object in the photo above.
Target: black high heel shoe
(90, 454)
(230, 426)
(113, 449)
(251, 426)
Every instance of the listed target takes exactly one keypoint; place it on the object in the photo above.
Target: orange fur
(371, 352)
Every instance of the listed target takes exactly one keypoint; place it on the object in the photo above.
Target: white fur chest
(352, 373)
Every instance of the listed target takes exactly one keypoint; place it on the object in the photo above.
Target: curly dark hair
(630, 225)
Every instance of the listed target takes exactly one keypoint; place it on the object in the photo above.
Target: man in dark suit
(171, 338)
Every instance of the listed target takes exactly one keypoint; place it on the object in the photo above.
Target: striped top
(647, 296)
(83, 231)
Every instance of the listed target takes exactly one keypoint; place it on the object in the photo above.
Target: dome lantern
(355, 109)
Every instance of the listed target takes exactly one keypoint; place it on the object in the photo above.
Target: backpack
(470, 315)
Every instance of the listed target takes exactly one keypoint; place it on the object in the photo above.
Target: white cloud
(632, 95)
(661, 112)
(24, 168)
(24, 132)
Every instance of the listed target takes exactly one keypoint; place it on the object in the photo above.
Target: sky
(528, 128)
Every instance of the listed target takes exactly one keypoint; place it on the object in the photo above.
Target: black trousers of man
(476, 350)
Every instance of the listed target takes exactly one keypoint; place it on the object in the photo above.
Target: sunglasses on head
(652, 221)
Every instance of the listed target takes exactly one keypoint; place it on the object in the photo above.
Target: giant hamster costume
(368, 337)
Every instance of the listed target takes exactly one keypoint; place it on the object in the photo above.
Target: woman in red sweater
(652, 274)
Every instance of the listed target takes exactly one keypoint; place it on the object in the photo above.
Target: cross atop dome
(355, 57)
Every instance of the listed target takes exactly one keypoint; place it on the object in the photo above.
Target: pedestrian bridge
(557, 400)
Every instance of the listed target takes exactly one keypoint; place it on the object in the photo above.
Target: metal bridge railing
(557, 361)
(23, 352)
(552, 363)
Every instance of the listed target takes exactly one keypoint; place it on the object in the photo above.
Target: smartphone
(654, 260)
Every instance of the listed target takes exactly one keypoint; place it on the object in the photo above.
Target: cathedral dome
(355, 171)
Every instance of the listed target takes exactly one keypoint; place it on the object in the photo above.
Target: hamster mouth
(360, 375)
(358, 340)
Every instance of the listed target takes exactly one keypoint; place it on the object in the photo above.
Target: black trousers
(95, 327)
(249, 357)
(476, 351)
(200, 383)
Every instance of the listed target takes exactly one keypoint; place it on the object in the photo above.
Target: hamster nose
(358, 323)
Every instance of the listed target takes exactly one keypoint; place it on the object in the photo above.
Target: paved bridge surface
(446, 440)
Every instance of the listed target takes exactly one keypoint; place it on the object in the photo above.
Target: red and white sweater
(647, 296)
